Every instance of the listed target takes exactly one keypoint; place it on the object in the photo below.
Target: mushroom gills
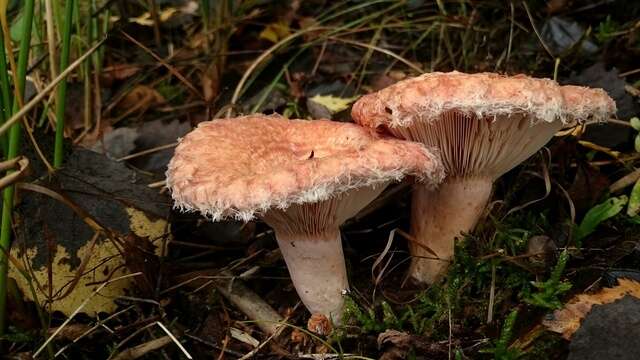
(475, 151)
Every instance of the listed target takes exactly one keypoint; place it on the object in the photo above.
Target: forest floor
(101, 266)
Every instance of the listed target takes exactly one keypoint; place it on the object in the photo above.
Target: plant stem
(61, 95)
(5, 93)
(14, 145)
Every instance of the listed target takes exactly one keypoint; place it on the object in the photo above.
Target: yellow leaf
(146, 20)
(334, 104)
(167, 13)
(274, 32)
(567, 320)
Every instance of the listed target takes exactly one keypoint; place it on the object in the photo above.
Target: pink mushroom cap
(241, 167)
(427, 97)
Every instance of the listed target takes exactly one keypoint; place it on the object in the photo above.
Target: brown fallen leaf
(139, 97)
(567, 320)
(319, 324)
(117, 72)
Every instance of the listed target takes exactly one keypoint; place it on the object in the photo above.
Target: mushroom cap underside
(241, 167)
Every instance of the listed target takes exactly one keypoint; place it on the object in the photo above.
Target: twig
(184, 351)
(143, 349)
(148, 151)
(492, 293)
(625, 181)
(267, 319)
(21, 162)
(93, 328)
(535, 29)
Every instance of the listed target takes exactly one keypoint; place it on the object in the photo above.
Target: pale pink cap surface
(427, 97)
(241, 167)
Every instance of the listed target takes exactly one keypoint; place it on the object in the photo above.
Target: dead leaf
(319, 324)
(118, 72)
(298, 337)
(398, 344)
(275, 32)
(140, 97)
(556, 6)
(567, 320)
(146, 19)
(243, 337)
(332, 103)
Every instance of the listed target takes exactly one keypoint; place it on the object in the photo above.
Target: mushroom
(303, 178)
(484, 125)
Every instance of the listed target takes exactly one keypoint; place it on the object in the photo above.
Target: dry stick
(31, 104)
(156, 22)
(93, 328)
(281, 327)
(506, 63)
(627, 73)
(132, 335)
(625, 181)
(79, 308)
(22, 164)
(492, 294)
(171, 69)
(267, 319)
(143, 349)
(535, 29)
(157, 184)
(186, 353)
(148, 151)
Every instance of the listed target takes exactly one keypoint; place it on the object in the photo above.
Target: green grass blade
(14, 145)
(5, 92)
(61, 94)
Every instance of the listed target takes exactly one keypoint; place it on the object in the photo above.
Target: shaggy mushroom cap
(237, 168)
(484, 124)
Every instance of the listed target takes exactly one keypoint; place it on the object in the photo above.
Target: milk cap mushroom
(484, 125)
(303, 178)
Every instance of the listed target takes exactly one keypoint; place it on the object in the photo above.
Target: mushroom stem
(440, 216)
(318, 271)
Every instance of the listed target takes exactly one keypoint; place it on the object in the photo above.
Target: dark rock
(610, 331)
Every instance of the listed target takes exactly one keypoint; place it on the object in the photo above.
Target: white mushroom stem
(440, 216)
(309, 239)
(318, 271)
